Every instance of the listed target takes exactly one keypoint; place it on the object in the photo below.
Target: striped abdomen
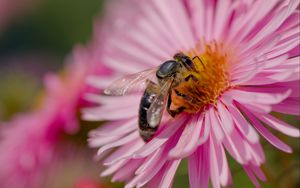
(145, 130)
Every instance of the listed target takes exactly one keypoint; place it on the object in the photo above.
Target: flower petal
(189, 138)
(127, 171)
(216, 127)
(119, 142)
(256, 97)
(278, 125)
(213, 163)
(198, 166)
(263, 131)
(225, 117)
(243, 126)
(163, 135)
(288, 106)
(169, 174)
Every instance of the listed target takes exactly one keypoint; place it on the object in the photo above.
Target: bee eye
(167, 69)
(185, 60)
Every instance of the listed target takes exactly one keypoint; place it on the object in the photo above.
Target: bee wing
(131, 83)
(156, 108)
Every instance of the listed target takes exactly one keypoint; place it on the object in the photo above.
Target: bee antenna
(199, 58)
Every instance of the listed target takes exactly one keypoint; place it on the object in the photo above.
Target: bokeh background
(36, 36)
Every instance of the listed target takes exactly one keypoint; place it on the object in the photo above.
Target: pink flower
(11, 9)
(71, 167)
(28, 141)
(250, 67)
(25, 150)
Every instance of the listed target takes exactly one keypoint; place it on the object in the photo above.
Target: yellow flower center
(211, 64)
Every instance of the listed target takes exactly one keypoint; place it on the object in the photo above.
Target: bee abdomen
(146, 131)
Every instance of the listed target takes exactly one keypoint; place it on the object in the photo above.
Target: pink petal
(255, 97)
(289, 34)
(258, 172)
(99, 82)
(260, 108)
(222, 14)
(157, 178)
(251, 176)
(163, 135)
(209, 16)
(235, 145)
(263, 131)
(149, 161)
(199, 167)
(114, 63)
(151, 172)
(213, 163)
(216, 127)
(141, 58)
(155, 24)
(243, 126)
(117, 113)
(143, 36)
(113, 168)
(225, 117)
(197, 11)
(123, 152)
(290, 22)
(99, 141)
(169, 174)
(244, 76)
(225, 177)
(272, 89)
(122, 141)
(278, 125)
(244, 24)
(288, 106)
(256, 153)
(156, 165)
(189, 138)
(258, 52)
(264, 79)
(127, 171)
(274, 23)
(205, 129)
(116, 128)
(275, 61)
(285, 47)
(180, 28)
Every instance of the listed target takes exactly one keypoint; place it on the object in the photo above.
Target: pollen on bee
(211, 75)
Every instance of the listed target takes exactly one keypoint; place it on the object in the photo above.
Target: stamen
(211, 78)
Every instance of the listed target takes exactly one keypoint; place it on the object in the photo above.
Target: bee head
(167, 69)
(184, 59)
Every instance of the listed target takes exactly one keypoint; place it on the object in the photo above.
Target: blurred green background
(37, 41)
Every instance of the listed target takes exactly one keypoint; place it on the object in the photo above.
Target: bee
(171, 76)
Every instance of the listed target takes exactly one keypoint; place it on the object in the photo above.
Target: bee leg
(169, 102)
(200, 60)
(173, 113)
(185, 97)
(191, 76)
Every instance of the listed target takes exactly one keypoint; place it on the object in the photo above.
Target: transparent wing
(157, 107)
(131, 83)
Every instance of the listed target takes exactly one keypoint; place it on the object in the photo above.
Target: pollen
(208, 81)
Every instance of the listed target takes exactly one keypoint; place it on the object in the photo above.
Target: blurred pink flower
(27, 141)
(12, 9)
(72, 167)
(251, 68)
(25, 150)
(86, 183)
